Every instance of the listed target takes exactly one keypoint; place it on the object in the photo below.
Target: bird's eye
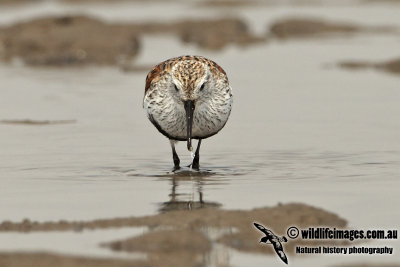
(202, 86)
(176, 88)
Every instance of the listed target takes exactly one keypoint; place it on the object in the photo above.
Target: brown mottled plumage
(187, 98)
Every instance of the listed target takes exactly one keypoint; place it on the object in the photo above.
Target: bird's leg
(175, 155)
(195, 163)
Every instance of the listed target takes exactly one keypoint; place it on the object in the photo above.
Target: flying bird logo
(271, 238)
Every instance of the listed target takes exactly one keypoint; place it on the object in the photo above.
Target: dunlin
(187, 98)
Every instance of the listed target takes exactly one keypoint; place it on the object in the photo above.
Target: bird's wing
(155, 72)
(263, 229)
(161, 130)
(279, 250)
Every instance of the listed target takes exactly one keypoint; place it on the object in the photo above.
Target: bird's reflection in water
(196, 201)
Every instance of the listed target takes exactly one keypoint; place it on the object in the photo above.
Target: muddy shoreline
(303, 27)
(391, 66)
(48, 260)
(180, 238)
(278, 218)
(81, 40)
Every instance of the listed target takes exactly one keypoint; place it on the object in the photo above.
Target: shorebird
(274, 240)
(187, 97)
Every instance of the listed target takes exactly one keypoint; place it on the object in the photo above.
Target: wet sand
(227, 3)
(391, 66)
(83, 40)
(317, 28)
(13, 2)
(68, 41)
(183, 238)
(35, 122)
(47, 260)
(80, 40)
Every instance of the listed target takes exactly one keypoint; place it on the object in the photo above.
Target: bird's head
(190, 83)
(264, 239)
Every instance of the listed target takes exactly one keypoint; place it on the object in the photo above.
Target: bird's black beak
(189, 108)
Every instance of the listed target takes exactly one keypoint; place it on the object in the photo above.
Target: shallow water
(301, 130)
(79, 243)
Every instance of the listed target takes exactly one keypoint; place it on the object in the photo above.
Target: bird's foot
(195, 165)
(176, 168)
(196, 161)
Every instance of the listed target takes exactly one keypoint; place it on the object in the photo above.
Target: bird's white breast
(210, 114)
